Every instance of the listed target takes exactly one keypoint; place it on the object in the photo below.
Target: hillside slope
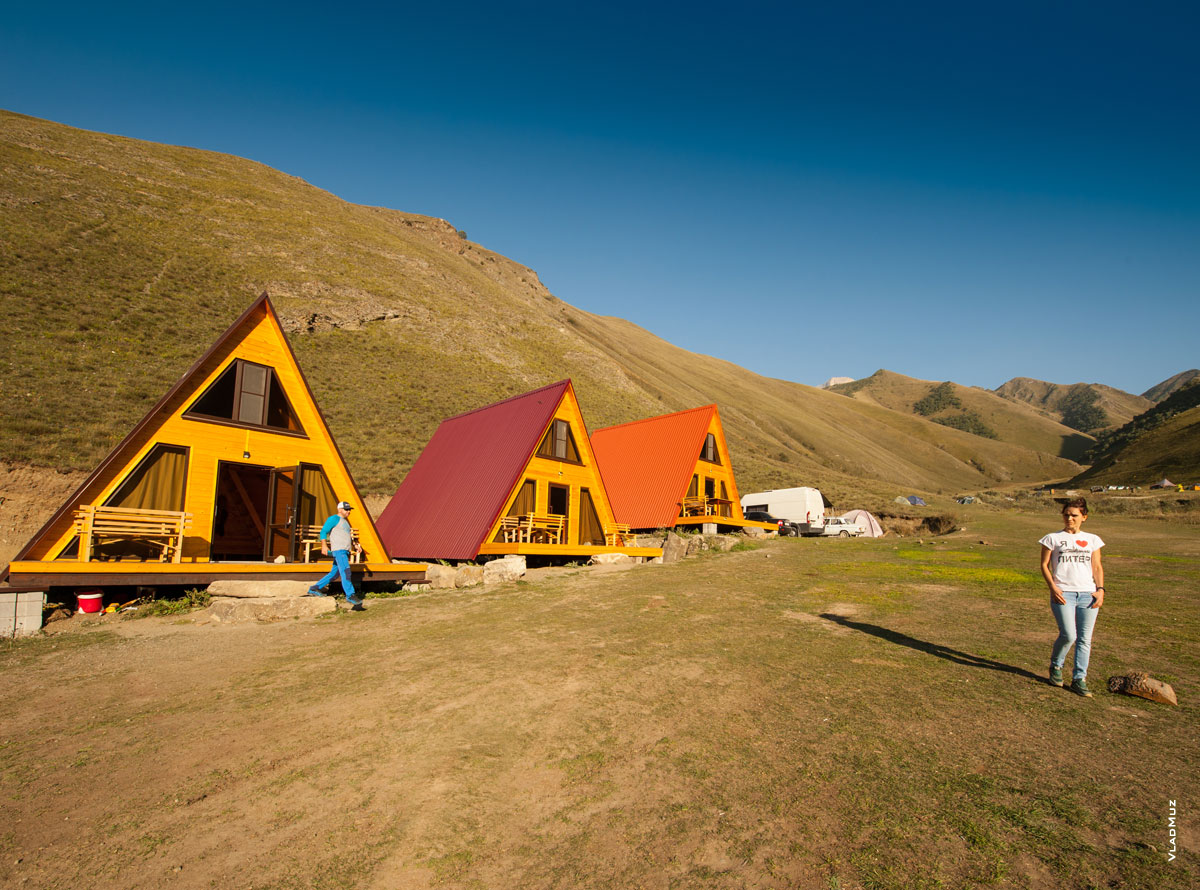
(1068, 404)
(1006, 421)
(1160, 391)
(126, 259)
(1163, 441)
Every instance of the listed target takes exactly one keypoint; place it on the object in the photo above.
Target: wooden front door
(281, 514)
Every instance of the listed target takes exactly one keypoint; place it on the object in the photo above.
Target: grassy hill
(125, 259)
(1088, 407)
(970, 408)
(1164, 441)
(1160, 391)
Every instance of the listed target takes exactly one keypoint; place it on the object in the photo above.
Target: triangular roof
(647, 464)
(185, 390)
(453, 495)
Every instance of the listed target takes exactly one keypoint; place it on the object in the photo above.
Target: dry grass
(814, 713)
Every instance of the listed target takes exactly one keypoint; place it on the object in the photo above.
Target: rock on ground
(468, 575)
(498, 571)
(233, 609)
(264, 589)
(610, 559)
(440, 577)
(675, 548)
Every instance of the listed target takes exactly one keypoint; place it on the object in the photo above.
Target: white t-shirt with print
(1071, 559)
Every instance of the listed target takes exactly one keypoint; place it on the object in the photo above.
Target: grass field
(811, 713)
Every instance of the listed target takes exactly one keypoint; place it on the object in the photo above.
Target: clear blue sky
(948, 190)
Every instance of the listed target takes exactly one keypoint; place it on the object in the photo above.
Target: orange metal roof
(647, 464)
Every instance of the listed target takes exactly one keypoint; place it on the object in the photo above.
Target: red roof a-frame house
(517, 476)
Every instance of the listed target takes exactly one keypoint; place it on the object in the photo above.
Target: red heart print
(1081, 543)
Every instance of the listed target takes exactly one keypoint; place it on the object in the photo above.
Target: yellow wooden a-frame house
(230, 475)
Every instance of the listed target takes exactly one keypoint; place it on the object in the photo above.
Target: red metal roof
(454, 493)
(647, 464)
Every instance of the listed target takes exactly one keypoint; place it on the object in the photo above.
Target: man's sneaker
(1079, 687)
(1056, 678)
(315, 591)
(357, 607)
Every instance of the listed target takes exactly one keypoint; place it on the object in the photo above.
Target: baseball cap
(344, 505)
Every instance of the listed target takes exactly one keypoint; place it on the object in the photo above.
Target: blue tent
(916, 501)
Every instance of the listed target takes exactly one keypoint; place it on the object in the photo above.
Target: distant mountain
(1163, 441)
(972, 409)
(123, 260)
(1160, 391)
(1087, 407)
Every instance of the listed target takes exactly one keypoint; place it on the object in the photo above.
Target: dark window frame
(552, 438)
(710, 441)
(272, 378)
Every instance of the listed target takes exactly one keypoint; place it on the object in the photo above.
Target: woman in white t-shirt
(1072, 569)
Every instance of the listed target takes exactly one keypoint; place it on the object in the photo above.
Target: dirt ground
(814, 713)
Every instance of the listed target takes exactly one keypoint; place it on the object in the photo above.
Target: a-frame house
(517, 476)
(671, 470)
(225, 477)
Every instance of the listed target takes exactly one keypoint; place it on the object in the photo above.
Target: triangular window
(247, 394)
(559, 443)
(709, 451)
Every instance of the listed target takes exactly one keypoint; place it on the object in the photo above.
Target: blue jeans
(1075, 618)
(341, 566)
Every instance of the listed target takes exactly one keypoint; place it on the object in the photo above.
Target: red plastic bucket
(90, 600)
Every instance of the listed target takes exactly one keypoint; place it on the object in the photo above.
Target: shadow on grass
(940, 651)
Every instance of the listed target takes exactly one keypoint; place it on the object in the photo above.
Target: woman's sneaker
(1055, 676)
(1079, 687)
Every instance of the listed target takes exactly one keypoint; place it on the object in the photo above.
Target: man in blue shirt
(337, 537)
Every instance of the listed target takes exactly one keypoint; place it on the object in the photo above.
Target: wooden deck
(527, 549)
(70, 573)
(726, 520)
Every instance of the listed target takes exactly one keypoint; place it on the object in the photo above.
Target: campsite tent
(224, 478)
(670, 470)
(901, 499)
(517, 476)
(1163, 483)
(916, 501)
(867, 522)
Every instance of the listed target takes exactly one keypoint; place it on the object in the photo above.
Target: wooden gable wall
(258, 338)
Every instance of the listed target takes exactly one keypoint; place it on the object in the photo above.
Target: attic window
(559, 444)
(247, 394)
(709, 451)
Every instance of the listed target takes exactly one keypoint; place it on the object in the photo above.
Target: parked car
(786, 529)
(838, 527)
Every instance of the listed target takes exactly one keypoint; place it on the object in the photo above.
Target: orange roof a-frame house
(517, 476)
(670, 470)
(224, 478)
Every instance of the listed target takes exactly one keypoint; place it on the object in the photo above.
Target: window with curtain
(709, 451)
(156, 483)
(317, 500)
(590, 529)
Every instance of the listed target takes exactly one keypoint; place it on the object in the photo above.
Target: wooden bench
(164, 529)
(309, 538)
(616, 531)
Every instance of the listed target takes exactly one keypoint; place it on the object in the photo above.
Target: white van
(803, 506)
